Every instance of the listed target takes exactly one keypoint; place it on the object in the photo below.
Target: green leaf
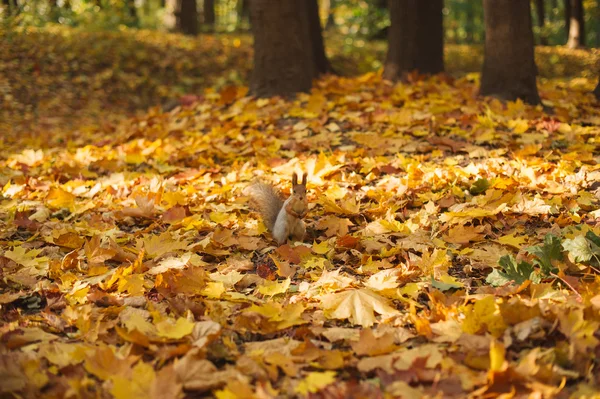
(551, 250)
(479, 186)
(593, 238)
(512, 271)
(445, 286)
(579, 249)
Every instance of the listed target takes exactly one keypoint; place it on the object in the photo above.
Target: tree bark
(597, 90)
(186, 16)
(283, 56)
(416, 38)
(576, 25)
(209, 14)
(541, 14)
(322, 64)
(509, 69)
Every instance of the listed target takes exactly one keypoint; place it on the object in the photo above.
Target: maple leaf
(357, 305)
(315, 381)
(171, 263)
(513, 272)
(371, 345)
(483, 315)
(550, 251)
(583, 248)
(174, 329)
(159, 245)
(29, 259)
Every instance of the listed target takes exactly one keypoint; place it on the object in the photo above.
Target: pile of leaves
(452, 249)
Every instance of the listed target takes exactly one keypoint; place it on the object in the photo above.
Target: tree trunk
(186, 15)
(509, 67)
(132, 11)
(283, 56)
(322, 64)
(576, 25)
(567, 5)
(541, 14)
(470, 23)
(597, 90)
(244, 13)
(209, 14)
(416, 38)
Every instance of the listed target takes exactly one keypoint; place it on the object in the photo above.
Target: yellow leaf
(518, 125)
(315, 381)
(497, 356)
(513, 241)
(272, 288)
(133, 284)
(138, 386)
(484, 315)
(213, 289)
(168, 329)
(358, 305)
(58, 198)
(321, 248)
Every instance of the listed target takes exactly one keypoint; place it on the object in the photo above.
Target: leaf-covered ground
(452, 250)
(58, 79)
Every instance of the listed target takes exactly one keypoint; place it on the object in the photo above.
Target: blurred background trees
(555, 22)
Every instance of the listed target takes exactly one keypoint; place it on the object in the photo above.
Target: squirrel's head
(299, 189)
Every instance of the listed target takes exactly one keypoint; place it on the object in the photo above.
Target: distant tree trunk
(470, 23)
(330, 23)
(509, 67)
(186, 16)
(132, 11)
(244, 13)
(576, 25)
(209, 14)
(541, 14)
(567, 4)
(283, 56)
(597, 90)
(322, 64)
(416, 38)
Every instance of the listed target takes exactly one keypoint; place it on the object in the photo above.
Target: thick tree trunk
(509, 67)
(186, 15)
(322, 64)
(576, 25)
(209, 14)
(283, 56)
(416, 38)
(541, 14)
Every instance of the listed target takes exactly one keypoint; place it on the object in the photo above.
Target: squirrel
(282, 218)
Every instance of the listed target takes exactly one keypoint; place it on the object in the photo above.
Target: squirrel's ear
(304, 176)
(294, 179)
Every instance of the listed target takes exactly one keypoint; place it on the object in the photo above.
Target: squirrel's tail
(266, 200)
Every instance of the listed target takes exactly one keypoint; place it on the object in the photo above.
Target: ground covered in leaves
(453, 248)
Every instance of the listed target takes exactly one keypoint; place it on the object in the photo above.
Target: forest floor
(453, 241)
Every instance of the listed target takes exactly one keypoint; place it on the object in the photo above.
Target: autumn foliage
(452, 248)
